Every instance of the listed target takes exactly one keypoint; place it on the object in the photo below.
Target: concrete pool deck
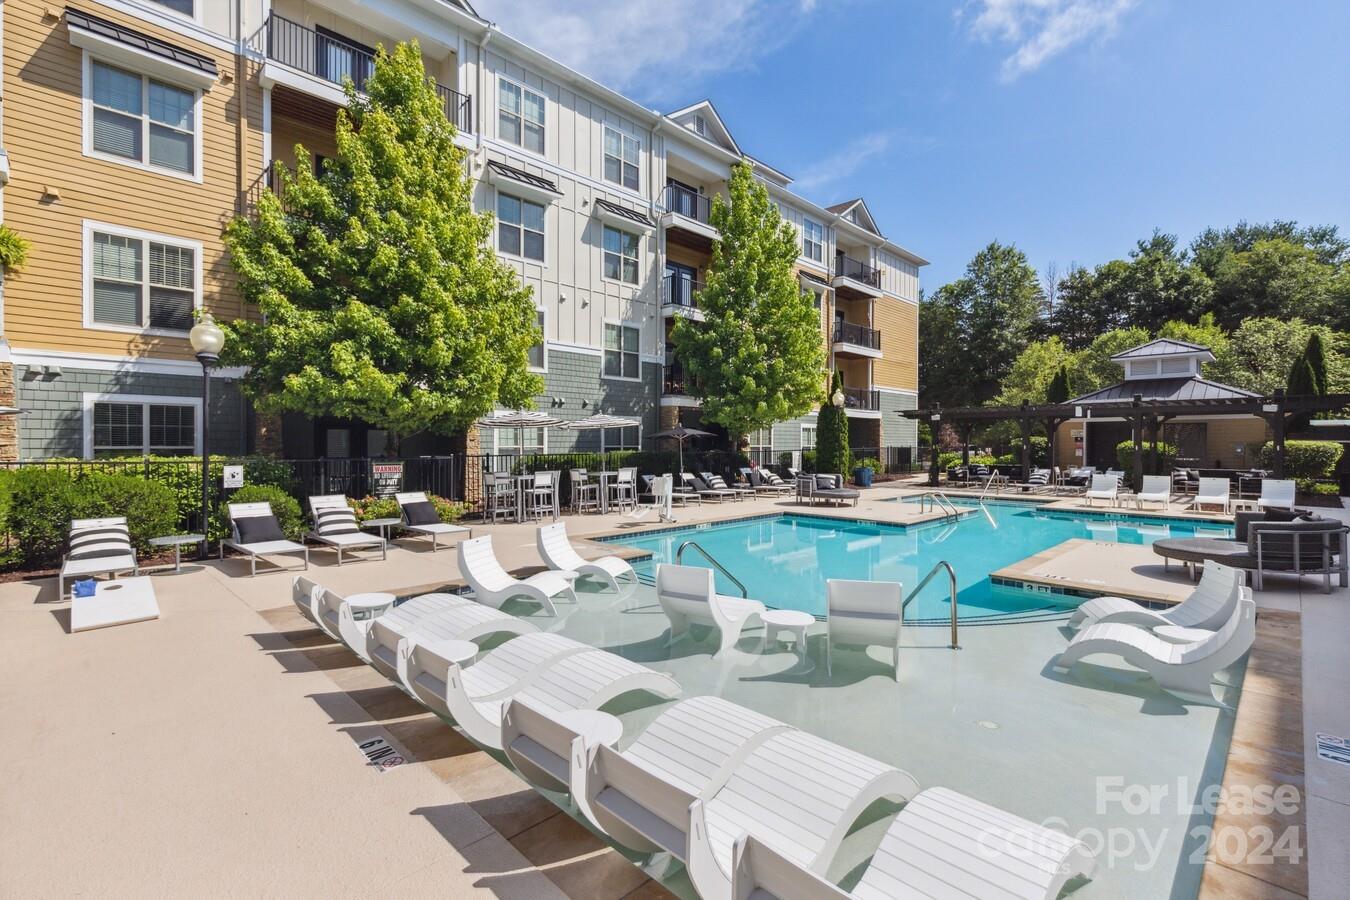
(214, 751)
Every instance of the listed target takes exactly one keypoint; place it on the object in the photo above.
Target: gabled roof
(1166, 389)
(718, 132)
(1162, 347)
(856, 210)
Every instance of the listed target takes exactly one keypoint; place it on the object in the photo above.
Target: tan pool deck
(213, 752)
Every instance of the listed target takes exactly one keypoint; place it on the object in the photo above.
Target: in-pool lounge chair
(704, 490)
(1104, 487)
(335, 525)
(863, 613)
(492, 585)
(421, 518)
(1212, 492)
(1276, 494)
(97, 547)
(254, 532)
(687, 595)
(943, 845)
(392, 636)
(1155, 489)
(423, 668)
(1184, 670)
(1209, 606)
(559, 554)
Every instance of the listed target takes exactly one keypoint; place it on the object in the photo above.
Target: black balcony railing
(848, 267)
(857, 335)
(333, 59)
(680, 290)
(252, 195)
(674, 382)
(862, 398)
(687, 203)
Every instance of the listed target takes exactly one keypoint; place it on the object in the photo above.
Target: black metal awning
(139, 41)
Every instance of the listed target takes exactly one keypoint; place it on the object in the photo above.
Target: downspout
(482, 81)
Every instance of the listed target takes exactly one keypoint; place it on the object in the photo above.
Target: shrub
(150, 508)
(784, 461)
(285, 507)
(450, 511)
(869, 462)
(1167, 456)
(368, 508)
(1304, 461)
(808, 461)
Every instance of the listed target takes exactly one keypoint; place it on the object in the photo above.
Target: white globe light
(206, 336)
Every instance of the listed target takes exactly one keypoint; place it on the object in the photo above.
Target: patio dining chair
(585, 493)
(501, 496)
(543, 495)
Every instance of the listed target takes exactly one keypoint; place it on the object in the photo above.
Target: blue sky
(1069, 127)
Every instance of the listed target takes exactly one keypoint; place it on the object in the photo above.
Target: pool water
(784, 561)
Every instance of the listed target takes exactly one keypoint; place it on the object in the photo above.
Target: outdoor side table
(176, 541)
(383, 524)
(790, 620)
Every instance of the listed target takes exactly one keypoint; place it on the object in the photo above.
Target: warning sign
(386, 479)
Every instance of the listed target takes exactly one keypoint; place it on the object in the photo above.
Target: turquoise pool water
(784, 561)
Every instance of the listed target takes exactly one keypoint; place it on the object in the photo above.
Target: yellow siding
(899, 323)
(44, 137)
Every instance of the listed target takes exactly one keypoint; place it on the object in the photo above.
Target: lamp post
(838, 398)
(207, 339)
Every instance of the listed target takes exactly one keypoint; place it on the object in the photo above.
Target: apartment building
(133, 130)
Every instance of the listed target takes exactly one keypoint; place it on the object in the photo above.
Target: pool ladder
(937, 500)
(679, 559)
(951, 579)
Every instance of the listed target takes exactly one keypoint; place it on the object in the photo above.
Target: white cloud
(844, 162)
(657, 48)
(1040, 29)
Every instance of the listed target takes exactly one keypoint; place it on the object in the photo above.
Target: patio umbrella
(604, 422)
(682, 434)
(520, 420)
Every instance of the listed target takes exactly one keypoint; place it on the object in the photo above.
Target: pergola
(1146, 418)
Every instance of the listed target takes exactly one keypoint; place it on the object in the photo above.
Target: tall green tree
(379, 294)
(1264, 351)
(1316, 355)
(1092, 302)
(1276, 278)
(1033, 372)
(832, 452)
(944, 376)
(1160, 287)
(1213, 246)
(1059, 390)
(757, 356)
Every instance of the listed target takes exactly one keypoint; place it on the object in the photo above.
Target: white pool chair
(863, 613)
(1103, 487)
(1209, 606)
(718, 483)
(305, 597)
(392, 635)
(1212, 492)
(1155, 489)
(97, 547)
(1276, 494)
(703, 490)
(559, 554)
(1184, 670)
(687, 595)
(335, 525)
(796, 792)
(943, 845)
(575, 681)
(492, 585)
(418, 520)
(244, 519)
(424, 670)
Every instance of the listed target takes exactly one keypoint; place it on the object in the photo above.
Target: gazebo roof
(1151, 389)
(1164, 347)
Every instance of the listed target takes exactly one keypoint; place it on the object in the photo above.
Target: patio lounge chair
(760, 484)
(941, 845)
(420, 517)
(1276, 494)
(559, 554)
(255, 533)
(680, 493)
(391, 636)
(829, 488)
(718, 483)
(1184, 670)
(97, 547)
(492, 585)
(1104, 487)
(424, 670)
(863, 613)
(1212, 492)
(1155, 489)
(1209, 606)
(335, 525)
(704, 491)
(687, 595)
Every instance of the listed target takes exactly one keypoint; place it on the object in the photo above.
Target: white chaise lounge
(492, 585)
(943, 845)
(335, 525)
(97, 547)
(1277, 494)
(424, 670)
(863, 613)
(1212, 492)
(1184, 670)
(559, 555)
(255, 533)
(687, 595)
(718, 483)
(1209, 606)
(1155, 489)
(704, 491)
(420, 517)
(1103, 487)
(394, 635)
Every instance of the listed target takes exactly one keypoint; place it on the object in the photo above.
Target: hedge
(1304, 461)
(367, 508)
(1167, 456)
(285, 507)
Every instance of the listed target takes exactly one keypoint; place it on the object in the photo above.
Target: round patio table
(1196, 550)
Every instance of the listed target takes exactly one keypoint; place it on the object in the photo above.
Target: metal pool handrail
(939, 500)
(951, 575)
(679, 558)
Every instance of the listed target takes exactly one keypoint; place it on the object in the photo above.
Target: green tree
(1264, 351)
(1276, 278)
(1316, 355)
(1302, 380)
(757, 356)
(1059, 390)
(944, 376)
(1092, 302)
(832, 452)
(1214, 245)
(1160, 287)
(1092, 368)
(379, 294)
(1033, 372)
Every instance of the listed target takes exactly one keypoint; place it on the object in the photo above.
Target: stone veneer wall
(9, 425)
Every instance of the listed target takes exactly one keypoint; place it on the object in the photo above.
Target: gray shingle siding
(574, 377)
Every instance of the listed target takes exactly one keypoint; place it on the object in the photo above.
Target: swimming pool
(784, 560)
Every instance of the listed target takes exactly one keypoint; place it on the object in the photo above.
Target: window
(134, 427)
(621, 255)
(139, 282)
(621, 351)
(1181, 366)
(621, 159)
(813, 240)
(142, 120)
(808, 437)
(761, 439)
(520, 116)
(539, 353)
(520, 227)
(520, 441)
(619, 439)
(178, 6)
(338, 58)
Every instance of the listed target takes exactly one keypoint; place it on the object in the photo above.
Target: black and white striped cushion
(336, 520)
(770, 477)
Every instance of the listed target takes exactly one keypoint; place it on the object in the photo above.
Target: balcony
(678, 293)
(675, 388)
(862, 400)
(319, 64)
(849, 339)
(686, 216)
(854, 279)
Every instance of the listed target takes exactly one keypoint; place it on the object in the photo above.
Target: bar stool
(585, 493)
(501, 496)
(543, 495)
(623, 491)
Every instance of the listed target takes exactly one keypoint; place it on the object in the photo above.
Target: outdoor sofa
(1272, 541)
(829, 488)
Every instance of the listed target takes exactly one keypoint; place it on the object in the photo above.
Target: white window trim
(543, 341)
(802, 442)
(497, 234)
(623, 136)
(197, 7)
(87, 254)
(497, 436)
(604, 439)
(821, 242)
(619, 281)
(87, 104)
(497, 116)
(623, 323)
(88, 401)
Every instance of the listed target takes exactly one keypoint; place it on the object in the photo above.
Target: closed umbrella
(681, 434)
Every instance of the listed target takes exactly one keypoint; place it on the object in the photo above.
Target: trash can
(862, 476)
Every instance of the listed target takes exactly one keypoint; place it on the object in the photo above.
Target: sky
(1071, 128)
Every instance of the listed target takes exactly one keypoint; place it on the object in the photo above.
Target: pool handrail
(941, 501)
(679, 560)
(951, 575)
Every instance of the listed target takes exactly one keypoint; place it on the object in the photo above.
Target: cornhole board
(118, 602)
